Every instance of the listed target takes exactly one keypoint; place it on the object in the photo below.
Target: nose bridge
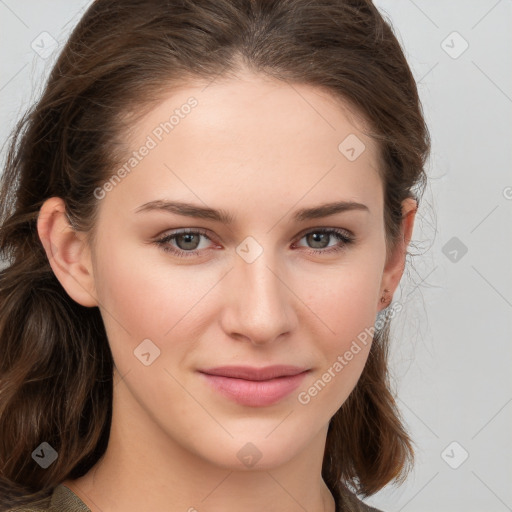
(260, 299)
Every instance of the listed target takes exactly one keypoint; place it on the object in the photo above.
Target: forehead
(250, 141)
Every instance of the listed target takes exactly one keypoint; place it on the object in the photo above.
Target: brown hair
(56, 366)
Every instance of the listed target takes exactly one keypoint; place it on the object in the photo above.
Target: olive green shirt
(64, 499)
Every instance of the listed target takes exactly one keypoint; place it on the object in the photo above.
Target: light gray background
(452, 348)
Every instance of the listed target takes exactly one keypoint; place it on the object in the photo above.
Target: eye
(188, 241)
(320, 238)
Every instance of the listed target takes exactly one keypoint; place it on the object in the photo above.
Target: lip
(255, 387)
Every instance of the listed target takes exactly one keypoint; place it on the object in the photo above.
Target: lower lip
(255, 393)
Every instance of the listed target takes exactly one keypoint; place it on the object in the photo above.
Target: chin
(260, 451)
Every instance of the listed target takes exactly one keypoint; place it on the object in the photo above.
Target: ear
(67, 252)
(395, 265)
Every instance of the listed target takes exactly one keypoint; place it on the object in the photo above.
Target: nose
(259, 304)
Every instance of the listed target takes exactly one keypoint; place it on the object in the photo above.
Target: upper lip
(252, 373)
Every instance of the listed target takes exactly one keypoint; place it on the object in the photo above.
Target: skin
(260, 149)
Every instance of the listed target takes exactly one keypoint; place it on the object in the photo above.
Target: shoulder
(62, 499)
(363, 507)
(351, 503)
(65, 500)
(367, 508)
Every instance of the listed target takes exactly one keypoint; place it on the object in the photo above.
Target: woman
(205, 218)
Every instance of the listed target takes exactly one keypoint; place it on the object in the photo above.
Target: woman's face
(274, 286)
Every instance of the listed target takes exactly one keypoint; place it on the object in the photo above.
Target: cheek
(343, 349)
(343, 297)
(343, 301)
(128, 292)
(143, 296)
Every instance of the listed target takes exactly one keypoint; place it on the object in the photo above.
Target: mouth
(255, 387)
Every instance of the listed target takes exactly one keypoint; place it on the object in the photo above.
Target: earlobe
(67, 252)
(395, 266)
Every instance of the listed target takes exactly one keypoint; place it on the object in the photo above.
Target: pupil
(188, 239)
(317, 237)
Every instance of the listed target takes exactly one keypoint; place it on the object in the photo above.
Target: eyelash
(341, 235)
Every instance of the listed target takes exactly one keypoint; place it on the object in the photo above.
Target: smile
(255, 387)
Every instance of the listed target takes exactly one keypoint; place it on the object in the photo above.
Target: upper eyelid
(326, 228)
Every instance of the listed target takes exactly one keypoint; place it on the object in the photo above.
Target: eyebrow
(224, 217)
